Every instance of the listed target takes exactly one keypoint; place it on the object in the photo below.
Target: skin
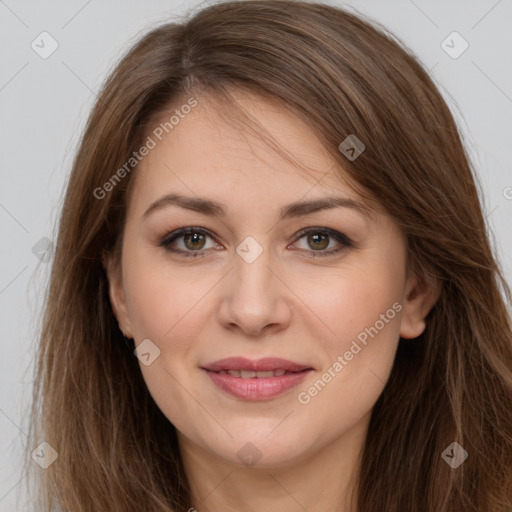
(284, 304)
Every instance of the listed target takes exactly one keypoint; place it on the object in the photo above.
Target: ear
(420, 295)
(116, 293)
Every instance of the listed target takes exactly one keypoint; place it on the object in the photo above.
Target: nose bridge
(253, 299)
(252, 275)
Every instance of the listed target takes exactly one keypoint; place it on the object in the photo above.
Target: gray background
(44, 104)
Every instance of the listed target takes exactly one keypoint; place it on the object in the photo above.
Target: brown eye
(194, 241)
(318, 241)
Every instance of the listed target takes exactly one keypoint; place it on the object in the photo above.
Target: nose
(255, 297)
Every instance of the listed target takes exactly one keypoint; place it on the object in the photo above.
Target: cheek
(347, 303)
(357, 359)
(361, 310)
(166, 309)
(162, 300)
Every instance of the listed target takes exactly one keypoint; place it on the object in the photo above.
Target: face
(325, 290)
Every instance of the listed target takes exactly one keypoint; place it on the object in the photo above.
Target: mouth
(261, 379)
(247, 367)
(251, 374)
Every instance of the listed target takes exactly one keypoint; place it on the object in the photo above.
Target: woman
(273, 287)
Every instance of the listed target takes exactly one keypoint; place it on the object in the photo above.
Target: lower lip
(254, 388)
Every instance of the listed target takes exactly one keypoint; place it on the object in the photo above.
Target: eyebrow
(297, 209)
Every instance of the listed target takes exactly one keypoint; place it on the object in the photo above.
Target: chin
(261, 452)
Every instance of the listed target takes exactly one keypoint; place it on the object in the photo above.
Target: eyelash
(344, 241)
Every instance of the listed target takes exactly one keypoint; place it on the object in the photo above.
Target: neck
(323, 480)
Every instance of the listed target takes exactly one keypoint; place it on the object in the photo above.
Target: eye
(319, 239)
(194, 241)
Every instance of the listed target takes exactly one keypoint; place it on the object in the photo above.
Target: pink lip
(264, 364)
(256, 388)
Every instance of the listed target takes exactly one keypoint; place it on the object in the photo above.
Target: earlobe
(420, 296)
(116, 294)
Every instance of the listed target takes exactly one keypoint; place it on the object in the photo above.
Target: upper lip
(264, 364)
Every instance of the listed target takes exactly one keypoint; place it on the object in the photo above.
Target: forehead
(212, 151)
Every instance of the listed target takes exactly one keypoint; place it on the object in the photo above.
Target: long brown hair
(343, 75)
